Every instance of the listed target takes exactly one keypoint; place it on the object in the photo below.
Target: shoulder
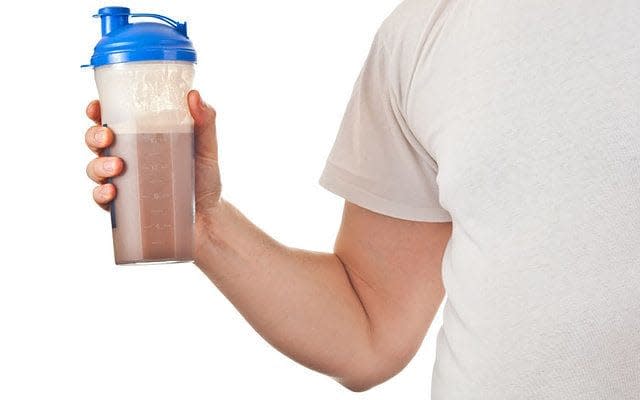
(403, 35)
(410, 21)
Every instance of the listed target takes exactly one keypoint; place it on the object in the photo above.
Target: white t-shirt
(519, 121)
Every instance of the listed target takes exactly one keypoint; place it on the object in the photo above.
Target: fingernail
(99, 136)
(109, 166)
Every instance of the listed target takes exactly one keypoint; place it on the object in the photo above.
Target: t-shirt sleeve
(376, 161)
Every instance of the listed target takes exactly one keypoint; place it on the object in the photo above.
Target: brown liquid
(153, 213)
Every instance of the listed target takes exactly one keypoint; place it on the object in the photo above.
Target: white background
(74, 326)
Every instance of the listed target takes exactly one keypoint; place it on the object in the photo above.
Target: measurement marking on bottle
(154, 139)
(157, 227)
(155, 196)
(155, 166)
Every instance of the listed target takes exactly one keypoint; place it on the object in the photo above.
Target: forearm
(301, 302)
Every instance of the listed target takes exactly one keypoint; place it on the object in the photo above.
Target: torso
(532, 112)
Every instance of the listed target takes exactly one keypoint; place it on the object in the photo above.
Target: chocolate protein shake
(152, 216)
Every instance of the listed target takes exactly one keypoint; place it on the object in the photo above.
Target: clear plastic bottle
(144, 72)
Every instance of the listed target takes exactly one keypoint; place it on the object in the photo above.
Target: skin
(358, 314)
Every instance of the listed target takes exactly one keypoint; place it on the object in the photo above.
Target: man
(496, 142)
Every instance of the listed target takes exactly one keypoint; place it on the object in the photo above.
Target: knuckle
(96, 194)
(102, 194)
(98, 137)
(93, 170)
(88, 136)
(89, 169)
(99, 201)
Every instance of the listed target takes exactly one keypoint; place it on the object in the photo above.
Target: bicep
(395, 267)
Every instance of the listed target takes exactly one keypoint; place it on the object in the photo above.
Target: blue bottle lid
(123, 41)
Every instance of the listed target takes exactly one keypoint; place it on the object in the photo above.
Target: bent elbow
(375, 370)
(357, 386)
(366, 380)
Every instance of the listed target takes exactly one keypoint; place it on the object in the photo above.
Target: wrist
(209, 224)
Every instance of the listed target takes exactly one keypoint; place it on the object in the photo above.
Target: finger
(104, 194)
(102, 168)
(93, 112)
(98, 138)
(204, 117)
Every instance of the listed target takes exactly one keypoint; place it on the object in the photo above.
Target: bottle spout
(112, 18)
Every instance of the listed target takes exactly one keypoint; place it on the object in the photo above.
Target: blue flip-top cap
(123, 41)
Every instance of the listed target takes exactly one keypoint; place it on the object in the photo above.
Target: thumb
(206, 148)
(204, 118)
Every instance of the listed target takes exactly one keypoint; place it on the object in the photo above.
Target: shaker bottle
(144, 72)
